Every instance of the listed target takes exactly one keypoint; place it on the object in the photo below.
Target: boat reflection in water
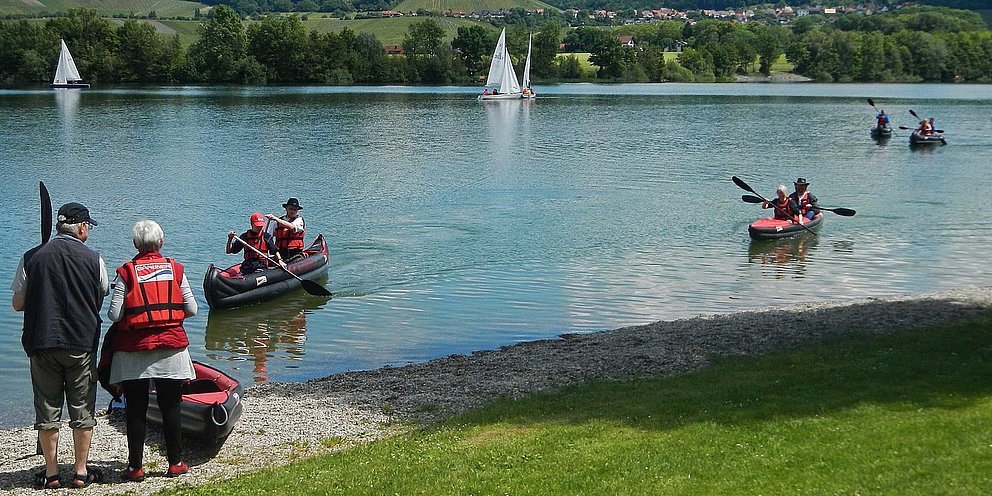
(788, 255)
(267, 333)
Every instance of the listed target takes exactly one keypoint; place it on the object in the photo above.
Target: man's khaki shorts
(63, 377)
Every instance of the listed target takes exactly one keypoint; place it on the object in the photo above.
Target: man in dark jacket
(60, 288)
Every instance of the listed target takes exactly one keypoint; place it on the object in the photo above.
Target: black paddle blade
(751, 199)
(871, 102)
(904, 128)
(46, 213)
(742, 185)
(845, 212)
(314, 288)
(914, 113)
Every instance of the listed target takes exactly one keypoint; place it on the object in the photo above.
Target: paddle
(309, 286)
(904, 128)
(942, 140)
(46, 213)
(743, 185)
(845, 212)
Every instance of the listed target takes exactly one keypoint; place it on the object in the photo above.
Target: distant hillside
(469, 5)
(162, 8)
(388, 31)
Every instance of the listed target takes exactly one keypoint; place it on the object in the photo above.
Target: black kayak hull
(210, 408)
(917, 139)
(881, 132)
(759, 229)
(226, 288)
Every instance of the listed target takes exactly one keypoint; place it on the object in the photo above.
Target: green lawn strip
(907, 414)
(387, 30)
(470, 6)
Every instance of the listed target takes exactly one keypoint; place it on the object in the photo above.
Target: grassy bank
(902, 414)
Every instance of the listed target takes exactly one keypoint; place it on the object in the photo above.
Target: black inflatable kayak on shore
(771, 228)
(227, 288)
(211, 405)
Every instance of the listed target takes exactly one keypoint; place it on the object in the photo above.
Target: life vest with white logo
(289, 239)
(153, 305)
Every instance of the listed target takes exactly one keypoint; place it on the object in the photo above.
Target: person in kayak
(151, 299)
(925, 128)
(257, 238)
(785, 207)
(808, 207)
(883, 119)
(289, 230)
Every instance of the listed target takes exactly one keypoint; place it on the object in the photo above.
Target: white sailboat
(66, 74)
(502, 82)
(527, 91)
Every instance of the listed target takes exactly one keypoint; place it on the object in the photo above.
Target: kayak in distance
(919, 139)
(228, 288)
(772, 228)
(880, 133)
(211, 405)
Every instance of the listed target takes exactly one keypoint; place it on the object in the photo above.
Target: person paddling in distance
(882, 119)
(151, 299)
(289, 230)
(257, 238)
(806, 202)
(785, 207)
(925, 128)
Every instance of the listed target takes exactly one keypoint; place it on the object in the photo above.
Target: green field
(162, 8)
(389, 30)
(904, 414)
(469, 5)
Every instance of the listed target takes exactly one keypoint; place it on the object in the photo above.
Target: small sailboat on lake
(66, 74)
(527, 91)
(502, 81)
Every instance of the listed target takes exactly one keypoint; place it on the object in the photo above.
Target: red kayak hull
(771, 228)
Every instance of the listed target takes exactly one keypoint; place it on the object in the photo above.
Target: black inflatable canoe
(771, 228)
(917, 139)
(227, 288)
(881, 132)
(210, 408)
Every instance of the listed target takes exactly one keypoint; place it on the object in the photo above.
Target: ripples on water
(456, 225)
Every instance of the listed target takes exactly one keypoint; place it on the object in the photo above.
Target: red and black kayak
(227, 288)
(771, 228)
(211, 405)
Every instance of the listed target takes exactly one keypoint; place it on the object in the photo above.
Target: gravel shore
(282, 422)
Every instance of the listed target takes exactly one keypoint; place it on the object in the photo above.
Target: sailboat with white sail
(527, 91)
(66, 74)
(502, 81)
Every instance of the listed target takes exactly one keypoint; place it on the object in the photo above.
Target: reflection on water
(275, 331)
(788, 256)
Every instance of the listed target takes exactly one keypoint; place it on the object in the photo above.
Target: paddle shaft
(310, 286)
(846, 212)
(743, 185)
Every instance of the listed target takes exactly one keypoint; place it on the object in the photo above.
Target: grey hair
(148, 235)
(782, 188)
(70, 229)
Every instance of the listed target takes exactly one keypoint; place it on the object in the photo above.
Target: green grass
(782, 65)
(469, 6)
(162, 8)
(907, 414)
(388, 30)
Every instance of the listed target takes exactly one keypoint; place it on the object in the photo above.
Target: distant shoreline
(286, 421)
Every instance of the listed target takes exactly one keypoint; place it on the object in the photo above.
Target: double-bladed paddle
(309, 286)
(46, 213)
(942, 140)
(743, 185)
(846, 212)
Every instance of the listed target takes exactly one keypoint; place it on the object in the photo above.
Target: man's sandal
(82, 480)
(44, 482)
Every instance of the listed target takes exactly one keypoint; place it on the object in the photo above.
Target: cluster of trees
(929, 44)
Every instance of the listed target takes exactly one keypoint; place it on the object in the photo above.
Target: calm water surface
(456, 226)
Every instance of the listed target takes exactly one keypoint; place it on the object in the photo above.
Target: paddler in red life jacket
(257, 238)
(785, 208)
(804, 199)
(289, 230)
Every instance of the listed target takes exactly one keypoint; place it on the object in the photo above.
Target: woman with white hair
(151, 298)
(785, 207)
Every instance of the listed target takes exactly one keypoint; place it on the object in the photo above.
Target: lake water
(456, 225)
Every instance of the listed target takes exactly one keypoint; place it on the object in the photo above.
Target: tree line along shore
(918, 44)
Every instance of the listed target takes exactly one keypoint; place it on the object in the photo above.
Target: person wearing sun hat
(805, 199)
(60, 288)
(289, 230)
(257, 238)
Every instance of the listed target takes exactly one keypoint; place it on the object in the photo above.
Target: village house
(390, 13)
(394, 49)
(626, 41)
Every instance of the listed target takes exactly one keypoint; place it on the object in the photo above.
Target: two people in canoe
(281, 239)
(800, 206)
(926, 127)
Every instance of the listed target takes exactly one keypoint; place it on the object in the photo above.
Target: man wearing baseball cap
(60, 288)
(256, 238)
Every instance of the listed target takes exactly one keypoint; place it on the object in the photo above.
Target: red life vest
(782, 208)
(803, 202)
(153, 310)
(257, 241)
(289, 239)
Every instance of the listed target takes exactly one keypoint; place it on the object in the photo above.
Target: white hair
(71, 229)
(148, 235)
(782, 188)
